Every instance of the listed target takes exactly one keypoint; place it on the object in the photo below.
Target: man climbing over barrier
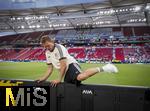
(57, 56)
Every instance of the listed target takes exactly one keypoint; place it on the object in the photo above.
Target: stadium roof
(96, 13)
(25, 4)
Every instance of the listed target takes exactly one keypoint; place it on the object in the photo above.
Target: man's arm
(63, 66)
(46, 74)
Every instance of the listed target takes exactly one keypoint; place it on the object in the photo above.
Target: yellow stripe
(8, 83)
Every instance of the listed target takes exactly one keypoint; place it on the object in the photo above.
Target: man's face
(48, 45)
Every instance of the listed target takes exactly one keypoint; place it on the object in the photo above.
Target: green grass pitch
(129, 74)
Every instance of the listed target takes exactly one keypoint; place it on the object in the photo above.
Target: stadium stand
(119, 53)
(107, 44)
(80, 53)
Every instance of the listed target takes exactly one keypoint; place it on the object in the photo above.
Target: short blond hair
(45, 38)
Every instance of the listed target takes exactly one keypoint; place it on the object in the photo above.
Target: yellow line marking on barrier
(9, 83)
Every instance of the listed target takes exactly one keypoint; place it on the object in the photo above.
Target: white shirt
(58, 53)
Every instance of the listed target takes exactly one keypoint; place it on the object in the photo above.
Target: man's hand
(40, 80)
(54, 83)
(46, 75)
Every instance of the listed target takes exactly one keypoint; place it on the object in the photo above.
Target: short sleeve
(62, 52)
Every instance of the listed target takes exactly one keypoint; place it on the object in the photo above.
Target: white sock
(104, 68)
(99, 69)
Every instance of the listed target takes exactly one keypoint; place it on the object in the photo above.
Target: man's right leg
(110, 68)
